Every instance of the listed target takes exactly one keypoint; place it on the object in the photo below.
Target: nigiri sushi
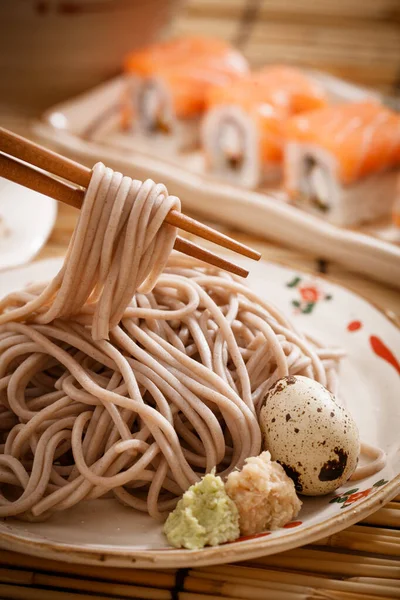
(342, 162)
(244, 126)
(167, 85)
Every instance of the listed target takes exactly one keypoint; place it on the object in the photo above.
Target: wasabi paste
(204, 516)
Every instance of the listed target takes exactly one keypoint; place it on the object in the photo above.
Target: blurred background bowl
(53, 49)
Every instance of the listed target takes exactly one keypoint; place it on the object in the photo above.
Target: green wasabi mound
(204, 516)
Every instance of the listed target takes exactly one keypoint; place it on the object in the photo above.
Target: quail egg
(306, 430)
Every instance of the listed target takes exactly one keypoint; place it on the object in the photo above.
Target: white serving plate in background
(105, 532)
(28, 219)
(86, 128)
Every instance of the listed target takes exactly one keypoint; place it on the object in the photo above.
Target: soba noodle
(121, 244)
(127, 377)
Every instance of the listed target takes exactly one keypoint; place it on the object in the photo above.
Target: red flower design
(354, 326)
(292, 524)
(383, 352)
(357, 496)
(310, 293)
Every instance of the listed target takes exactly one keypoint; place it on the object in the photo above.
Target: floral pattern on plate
(310, 293)
(355, 494)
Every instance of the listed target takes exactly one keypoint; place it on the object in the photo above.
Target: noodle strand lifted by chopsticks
(127, 378)
(121, 244)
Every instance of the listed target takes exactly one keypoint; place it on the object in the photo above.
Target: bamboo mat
(360, 563)
(358, 40)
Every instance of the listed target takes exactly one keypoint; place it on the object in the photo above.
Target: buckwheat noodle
(129, 377)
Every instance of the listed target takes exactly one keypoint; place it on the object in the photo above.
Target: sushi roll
(244, 126)
(342, 162)
(167, 85)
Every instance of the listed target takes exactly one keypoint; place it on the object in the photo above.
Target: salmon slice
(363, 137)
(285, 88)
(187, 68)
(291, 89)
(177, 51)
(188, 84)
(270, 96)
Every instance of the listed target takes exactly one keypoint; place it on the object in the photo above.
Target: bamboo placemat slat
(376, 10)
(355, 538)
(369, 55)
(356, 40)
(156, 578)
(388, 516)
(37, 580)
(333, 564)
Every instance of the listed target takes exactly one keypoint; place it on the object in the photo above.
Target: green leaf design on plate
(335, 499)
(296, 303)
(380, 482)
(294, 283)
(353, 491)
(308, 308)
(328, 297)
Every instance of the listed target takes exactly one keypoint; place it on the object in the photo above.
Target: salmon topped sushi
(342, 161)
(244, 126)
(290, 88)
(167, 86)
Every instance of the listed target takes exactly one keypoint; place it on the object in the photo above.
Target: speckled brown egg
(309, 434)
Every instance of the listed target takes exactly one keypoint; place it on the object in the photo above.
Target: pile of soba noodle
(130, 378)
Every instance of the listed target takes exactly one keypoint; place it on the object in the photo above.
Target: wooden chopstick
(43, 158)
(23, 174)
(192, 249)
(39, 181)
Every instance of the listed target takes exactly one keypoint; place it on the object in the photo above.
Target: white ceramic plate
(103, 531)
(27, 219)
(87, 129)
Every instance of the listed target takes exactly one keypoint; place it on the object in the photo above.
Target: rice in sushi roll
(342, 162)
